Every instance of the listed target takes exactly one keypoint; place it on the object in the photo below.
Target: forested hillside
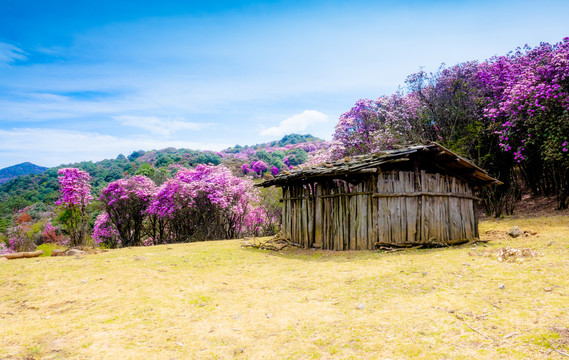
(158, 165)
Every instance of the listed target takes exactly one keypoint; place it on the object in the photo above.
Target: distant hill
(26, 168)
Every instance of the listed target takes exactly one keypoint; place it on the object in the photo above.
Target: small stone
(548, 289)
(57, 252)
(84, 281)
(238, 351)
(73, 252)
(515, 232)
(424, 273)
(179, 343)
(140, 258)
(269, 316)
(501, 286)
(360, 306)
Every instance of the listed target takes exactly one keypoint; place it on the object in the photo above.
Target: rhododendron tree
(126, 201)
(355, 127)
(259, 167)
(372, 126)
(207, 202)
(75, 195)
(527, 96)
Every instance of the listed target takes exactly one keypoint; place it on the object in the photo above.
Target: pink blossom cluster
(5, 249)
(525, 88)
(255, 221)
(207, 201)
(259, 167)
(118, 193)
(216, 183)
(371, 126)
(104, 231)
(74, 187)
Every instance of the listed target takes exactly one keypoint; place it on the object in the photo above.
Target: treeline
(154, 197)
(204, 203)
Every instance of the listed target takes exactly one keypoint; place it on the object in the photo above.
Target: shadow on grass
(319, 255)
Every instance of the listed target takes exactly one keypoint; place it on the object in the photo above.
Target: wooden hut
(421, 194)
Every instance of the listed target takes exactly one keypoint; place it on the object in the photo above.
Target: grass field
(216, 300)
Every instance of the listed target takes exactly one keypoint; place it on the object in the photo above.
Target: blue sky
(88, 80)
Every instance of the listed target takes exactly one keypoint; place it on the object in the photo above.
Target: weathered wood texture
(395, 207)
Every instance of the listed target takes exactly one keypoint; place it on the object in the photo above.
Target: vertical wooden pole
(418, 188)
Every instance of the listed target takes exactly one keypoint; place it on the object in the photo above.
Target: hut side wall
(394, 207)
(432, 209)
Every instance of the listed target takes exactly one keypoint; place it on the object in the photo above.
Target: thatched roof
(429, 155)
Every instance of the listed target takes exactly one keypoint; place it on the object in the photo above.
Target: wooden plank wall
(389, 208)
(443, 214)
(297, 217)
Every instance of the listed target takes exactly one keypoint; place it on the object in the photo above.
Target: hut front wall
(387, 208)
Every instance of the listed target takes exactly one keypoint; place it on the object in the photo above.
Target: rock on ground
(515, 232)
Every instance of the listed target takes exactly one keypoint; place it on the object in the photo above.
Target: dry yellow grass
(216, 300)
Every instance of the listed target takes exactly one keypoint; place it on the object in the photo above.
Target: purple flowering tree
(245, 168)
(527, 95)
(372, 126)
(75, 195)
(205, 203)
(259, 167)
(126, 201)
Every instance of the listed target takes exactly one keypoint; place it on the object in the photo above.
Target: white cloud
(10, 53)
(52, 147)
(160, 126)
(296, 123)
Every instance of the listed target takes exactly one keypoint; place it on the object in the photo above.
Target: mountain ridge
(25, 168)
